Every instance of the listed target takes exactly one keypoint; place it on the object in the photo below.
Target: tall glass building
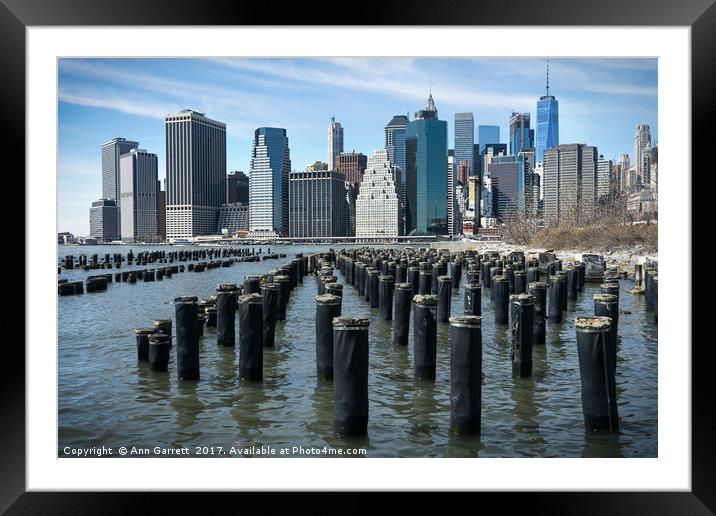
(465, 140)
(547, 124)
(487, 134)
(521, 136)
(426, 161)
(268, 182)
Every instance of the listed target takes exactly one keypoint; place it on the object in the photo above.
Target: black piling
(597, 372)
(159, 351)
(328, 307)
(425, 336)
(142, 336)
(444, 293)
(385, 297)
(607, 305)
(251, 349)
(501, 299)
(226, 299)
(350, 376)
(465, 374)
(373, 286)
(403, 293)
(572, 283)
(270, 294)
(538, 290)
(425, 284)
(186, 310)
(285, 284)
(522, 310)
(473, 299)
(520, 281)
(555, 303)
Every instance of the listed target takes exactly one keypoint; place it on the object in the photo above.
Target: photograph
(358, 257)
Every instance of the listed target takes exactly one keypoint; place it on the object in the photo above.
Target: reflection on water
(107, 397)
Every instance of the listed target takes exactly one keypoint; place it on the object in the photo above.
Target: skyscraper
(604, 180)
(377, 207)
(511, 184)
(642, 142)
(395, 141)
(268, 183)
(111, 151)
(237, 187)
(451, 182)
(426, 171)
(335, 142)
(139, 204)
(104, 223)
(487, 134)
(547, 122)
(395, 145)
(317, 204)
(351, 165)
(570, 180)
(521, 136)
(196, 173)
(465, 140)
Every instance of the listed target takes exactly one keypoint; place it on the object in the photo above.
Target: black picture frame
(700, 15)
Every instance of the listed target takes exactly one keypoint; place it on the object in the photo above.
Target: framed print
(430, 244)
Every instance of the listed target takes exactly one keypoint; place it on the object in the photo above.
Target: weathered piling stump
(555, 306)
(350, 376)
(607, 305)
(226, 302)
(538, 290)
(520, 281)
(597, 372)
(251, 349)
(210, 312)
(159, 344)
(500, 299)
(403, 293)
(142, 337)
(251, 285)
(270, 294)
(522, 308)
(285, 284)
(425, 336)
(473, 299)
(572, 283)
(465, 374)
(444, 293)
(328, 307)
(385, 297)
(425, 283)
(186, 309)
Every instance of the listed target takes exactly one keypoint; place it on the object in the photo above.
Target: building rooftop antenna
(548, 77)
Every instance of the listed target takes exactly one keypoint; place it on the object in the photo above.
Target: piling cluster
(527, 293)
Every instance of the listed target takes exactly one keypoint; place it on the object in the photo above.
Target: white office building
(377, 208)
(196, 173)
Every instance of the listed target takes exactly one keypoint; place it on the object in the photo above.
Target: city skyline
(601, 102)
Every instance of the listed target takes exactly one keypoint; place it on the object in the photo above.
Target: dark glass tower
(521, 136)
(426, 172)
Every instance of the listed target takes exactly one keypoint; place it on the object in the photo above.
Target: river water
(107, 397)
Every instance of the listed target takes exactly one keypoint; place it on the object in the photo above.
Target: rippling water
(108, 398)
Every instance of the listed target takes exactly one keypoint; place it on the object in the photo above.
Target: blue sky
(600, 103)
